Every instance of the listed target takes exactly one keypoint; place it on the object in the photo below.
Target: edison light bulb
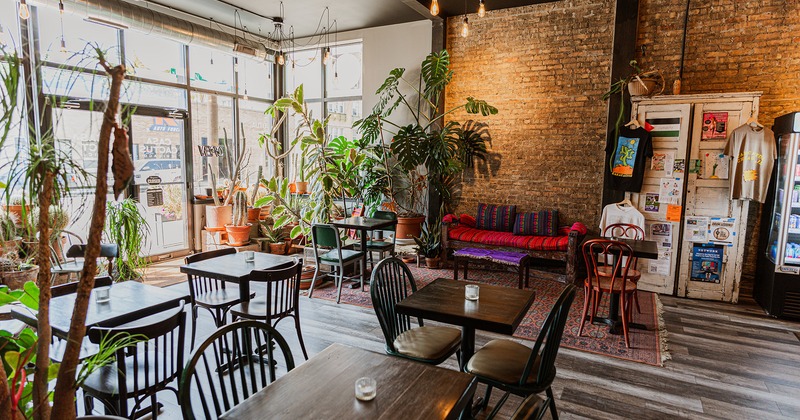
(465, 28)
(24, 13)
(482, 10)
(280, 59)
(435, 8)
(63, 45)
(245, 97)
(327, 55)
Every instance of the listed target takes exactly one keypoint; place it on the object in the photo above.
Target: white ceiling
(304, 15)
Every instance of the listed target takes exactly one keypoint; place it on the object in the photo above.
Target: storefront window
(255, 78)
(154, 95)
(255, 123)
(80, 39)
(343, 73)
(153, 58)
(342, 115)
(210, 115)
(303, 68)
(9, 35)
(209, 69)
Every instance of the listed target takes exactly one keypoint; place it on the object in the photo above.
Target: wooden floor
(728, 361)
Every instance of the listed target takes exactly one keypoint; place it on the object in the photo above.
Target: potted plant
(220, 214)
(638, 83)
(239, 229)
(126, 227)
(15, 272)
(18, 207)
(9, 238)
(276, 238)
(302, 185)
(429, 244)
(58, 219)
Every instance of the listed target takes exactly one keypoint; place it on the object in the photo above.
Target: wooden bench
(507, 258)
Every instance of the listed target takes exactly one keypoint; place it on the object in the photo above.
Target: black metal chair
(391, 282)
(518, 369)
(241, 345)
(281, 300)
(327, 236)
(73, 261)
(212, 294)
(141, 369)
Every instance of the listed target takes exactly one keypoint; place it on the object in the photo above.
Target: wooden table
(363, 225)
(324, 388)
(235, 269)
(129, 301)
(499, 309)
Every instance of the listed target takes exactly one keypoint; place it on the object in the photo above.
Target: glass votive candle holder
(249, 256)
(471, 292)
(102, 294)
(366, 388)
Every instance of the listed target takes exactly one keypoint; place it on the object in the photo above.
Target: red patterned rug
(647, 346)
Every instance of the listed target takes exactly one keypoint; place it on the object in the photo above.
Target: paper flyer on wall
(651, 204)
(696, 229)
(715, 166)
(661, 233)
(715, 126)
(663, 162)
(670, 191)
(706, 263)
(722, 230)
(662, 265)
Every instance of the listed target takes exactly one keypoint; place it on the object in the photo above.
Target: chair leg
(497, 407)
(88, 405)
(553, 412)
(624, 320)
(341, 281)
(300, 336)
(586, 297)
(597, 295)
(313, 280)
(636, 300)
(194, 323)
(487, 396)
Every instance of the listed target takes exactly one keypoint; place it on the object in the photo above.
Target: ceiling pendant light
(482, 10)
(24, 13)
(61, 18)
(465, 28)
(279, 59)
(245, 97)
(326, 56)
(435, 8)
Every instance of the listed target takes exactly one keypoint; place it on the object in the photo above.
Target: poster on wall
(651, 204)
(663, 162)
(715, 166)
(715, 126)
(706, 263)
(696, 229)
(661, 233)
(722, 230)
(670, 190)
(679, 166)
(662, 265)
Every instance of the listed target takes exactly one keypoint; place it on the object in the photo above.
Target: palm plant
(126, 227)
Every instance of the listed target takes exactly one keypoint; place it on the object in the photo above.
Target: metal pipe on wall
(156, 23)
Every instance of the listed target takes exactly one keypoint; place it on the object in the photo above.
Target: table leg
(455, 268)
(467, 351)
(244, 291)
(613, 321)
(466, 262)
(363, 260)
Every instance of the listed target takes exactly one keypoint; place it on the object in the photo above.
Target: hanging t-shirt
(614, 213)
(754, 152)
(627, 156)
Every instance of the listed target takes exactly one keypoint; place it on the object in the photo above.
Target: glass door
(159, 161)
(784, 249)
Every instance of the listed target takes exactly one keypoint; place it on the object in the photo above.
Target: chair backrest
(390, 283)
(325, 235)
(386, 215)
(624, 230)
(106, 251)
(283, 288)
(200, 284)
(609, 255)
(230, 366)
(549, 340)
(152, 362)
(72, 287)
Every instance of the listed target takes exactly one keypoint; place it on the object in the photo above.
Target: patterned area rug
(647, 346)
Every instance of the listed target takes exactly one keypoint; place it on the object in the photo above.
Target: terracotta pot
(10, 245)
(238, 235)
(288, 245)
(432, 262)
(17, 210)
(218, 216)
(277, 248)
(265, 210)
(253, 214)
(409, 227)
(15, 279)
(408, 259)
(302, 187)
(293, 188)
(306, 276)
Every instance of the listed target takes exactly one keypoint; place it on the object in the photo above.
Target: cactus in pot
(239, 230)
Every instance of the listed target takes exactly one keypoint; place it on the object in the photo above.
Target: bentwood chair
(216, 296)
(392, 282)
(628, 231)
(610, 277)
(327, 236)
(57, 345)
(381, 247)
(206, 390)
(148, 360)
(280, 301)
(517, 369)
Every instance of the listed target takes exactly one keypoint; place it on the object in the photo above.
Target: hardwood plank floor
(728, 361)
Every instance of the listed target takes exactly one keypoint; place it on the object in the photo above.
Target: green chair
(327, 236)
(517, 369)
(381, 246)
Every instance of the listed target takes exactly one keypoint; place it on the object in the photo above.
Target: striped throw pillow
(542, 223)
(497, 218)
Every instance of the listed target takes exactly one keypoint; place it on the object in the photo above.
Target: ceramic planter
(238, 235)
(409, 227)
(302, 187)
(432, 262)
(277, 248)
(218, 216)
(15, 279)
(253, 214)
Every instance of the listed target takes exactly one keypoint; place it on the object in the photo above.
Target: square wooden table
(324, 388)
(129, 301)
(363, 225)
(235, 269)
(499, 309)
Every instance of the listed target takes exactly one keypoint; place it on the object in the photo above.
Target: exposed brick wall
(545, 66)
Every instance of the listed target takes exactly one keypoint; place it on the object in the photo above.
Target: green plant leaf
(298, 94)
(263, 201)
(296, 231)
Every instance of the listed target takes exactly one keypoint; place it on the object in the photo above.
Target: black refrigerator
(777, 283)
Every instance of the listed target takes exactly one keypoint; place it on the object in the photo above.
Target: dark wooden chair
(518, 369)
(532, 408)
(327, 236)
(141, 369)
(72, 287)
(57, 345)
(207, 390)
(212, 294)
(281, 300)
(628, 231)
(608, 269)
(391, 282)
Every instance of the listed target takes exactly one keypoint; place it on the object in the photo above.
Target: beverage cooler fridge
(777, 283)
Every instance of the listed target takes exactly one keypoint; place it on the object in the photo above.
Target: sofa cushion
(467, 220)
(488, 237)
(542, 223)
(493, 217)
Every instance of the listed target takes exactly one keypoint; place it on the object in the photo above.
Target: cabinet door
(711, 267)
(670, 133)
